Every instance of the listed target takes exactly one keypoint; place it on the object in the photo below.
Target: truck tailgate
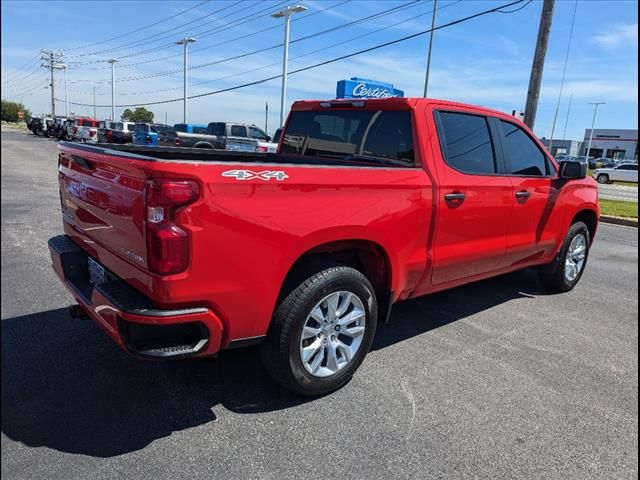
(103, 198)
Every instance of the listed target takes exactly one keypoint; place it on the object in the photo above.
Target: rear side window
(238, 131)
(131, 127)
(466, 143)
(372, 136)
(216, 129)
(522, 152)
(628, 167)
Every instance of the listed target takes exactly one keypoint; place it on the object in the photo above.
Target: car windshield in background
(200, 130)
(141, 127)
(367, 136)
(160, 128)
(180, 127)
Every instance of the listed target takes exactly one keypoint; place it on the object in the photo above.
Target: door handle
(455, 198)
(523, 194)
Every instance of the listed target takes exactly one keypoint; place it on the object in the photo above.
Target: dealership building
(611, 143)
(563, 147)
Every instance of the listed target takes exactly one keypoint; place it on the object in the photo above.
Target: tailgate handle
(87, 165)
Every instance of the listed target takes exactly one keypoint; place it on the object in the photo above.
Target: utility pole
(50, 60)
(593, 123)
(113, 89)
(185, 42)
(286, 13)
(433, 24)
(566, 122)
(533, 92)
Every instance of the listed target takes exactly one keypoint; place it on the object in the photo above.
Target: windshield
(141, 127)
(373, 136)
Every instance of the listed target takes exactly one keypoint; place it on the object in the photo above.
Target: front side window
(369, 136)
(522, 152)
(467, 144)
(257, 133)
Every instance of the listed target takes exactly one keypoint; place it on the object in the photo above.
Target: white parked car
(625, 172)
(86, 130)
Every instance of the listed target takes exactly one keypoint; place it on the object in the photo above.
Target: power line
(20, 68)
(243, 37)
(144, 41)
(273, 47)
(327, 47)
(326, 62)
(137, 29)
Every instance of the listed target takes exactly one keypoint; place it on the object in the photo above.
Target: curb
(629, 222)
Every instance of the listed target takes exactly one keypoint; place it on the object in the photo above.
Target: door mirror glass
(573, 170)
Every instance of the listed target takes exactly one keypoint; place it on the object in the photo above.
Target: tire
(603, 178)
(282, 350)
(559, 275)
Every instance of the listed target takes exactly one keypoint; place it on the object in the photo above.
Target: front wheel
(566, 271)
(321, 332)
(603, 178)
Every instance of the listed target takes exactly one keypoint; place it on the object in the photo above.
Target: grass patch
(618, 208)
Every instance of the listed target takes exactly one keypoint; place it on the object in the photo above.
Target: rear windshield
(369, 136)
(141, 127)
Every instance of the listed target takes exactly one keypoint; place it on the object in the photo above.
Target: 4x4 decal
(266, 175)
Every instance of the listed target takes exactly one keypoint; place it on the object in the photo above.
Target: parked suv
(116, 132)
(182, 252)
(147, 133)
(624, 172)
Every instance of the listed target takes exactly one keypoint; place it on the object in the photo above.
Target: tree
(139, 115)
(10, 112)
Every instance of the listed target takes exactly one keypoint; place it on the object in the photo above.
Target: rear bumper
(129, 317)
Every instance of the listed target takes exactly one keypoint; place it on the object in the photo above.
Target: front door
(474, 201)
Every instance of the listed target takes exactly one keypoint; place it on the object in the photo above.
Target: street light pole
(185, 42)
(66, 94)
(593, 123)
(286, 13)
(94, 102)
(113, 90)
(433, 24)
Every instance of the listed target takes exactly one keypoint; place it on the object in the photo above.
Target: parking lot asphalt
(625, 193)
(499, 379)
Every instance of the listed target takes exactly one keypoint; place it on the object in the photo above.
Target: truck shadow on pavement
(66, 386)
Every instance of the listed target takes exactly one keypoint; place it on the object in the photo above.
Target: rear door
(534, 194)
(474, 201)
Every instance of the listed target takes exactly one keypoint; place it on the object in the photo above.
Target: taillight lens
(262, 149)
(177, 141)
(168, 245)
(147, 139)
(92, 133)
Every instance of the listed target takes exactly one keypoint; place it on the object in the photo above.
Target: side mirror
(573, 170)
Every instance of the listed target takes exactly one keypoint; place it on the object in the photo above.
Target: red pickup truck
(179, 252)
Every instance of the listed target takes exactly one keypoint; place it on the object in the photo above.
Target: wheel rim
(603, 179)
(576, 256)
(332, 334)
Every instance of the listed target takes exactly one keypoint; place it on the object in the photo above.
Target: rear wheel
(566, 271)
(321, 331)
(603, 178)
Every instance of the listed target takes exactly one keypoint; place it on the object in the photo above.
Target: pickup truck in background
(221, 136)
(147, 133)
(179, 252)
(116, 132)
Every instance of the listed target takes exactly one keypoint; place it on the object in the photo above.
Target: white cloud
(618, 36)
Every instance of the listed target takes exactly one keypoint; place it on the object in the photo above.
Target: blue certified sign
(364, 88)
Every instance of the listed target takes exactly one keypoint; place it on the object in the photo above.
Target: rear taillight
(92, 133)
(147, 139)
(109, 134)
(168, 245)
(177, 141)
(262, 149)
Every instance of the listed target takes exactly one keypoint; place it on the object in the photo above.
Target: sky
(484, 61)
